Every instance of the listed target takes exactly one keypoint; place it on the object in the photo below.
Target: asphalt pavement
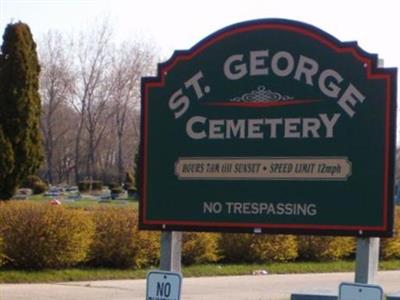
(252, 287)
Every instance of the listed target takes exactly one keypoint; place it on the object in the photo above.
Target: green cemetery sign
(269, 126)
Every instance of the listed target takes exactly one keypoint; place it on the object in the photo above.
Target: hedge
(117, 190)
(251, 248)
(94, 185)
(44, 236)
(2, 256)
(118, 243)
(278, 248)
(199, 248)
(35, 183)
(39, 235)
(323, 248)
(390, 247)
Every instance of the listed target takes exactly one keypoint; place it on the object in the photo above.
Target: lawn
(87, 201)
(83, 274)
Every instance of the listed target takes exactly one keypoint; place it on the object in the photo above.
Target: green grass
(273, 268)
(83, 274)
(86, 202)
(281, 268)
(89, 203)
(75, 274)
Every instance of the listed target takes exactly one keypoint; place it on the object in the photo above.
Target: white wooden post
(171, 251)
(367, 260)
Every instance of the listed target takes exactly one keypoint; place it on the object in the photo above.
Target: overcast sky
(173, 24)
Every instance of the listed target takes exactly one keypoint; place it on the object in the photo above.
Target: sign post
(269, 126)
(367, 260)
(171, 248)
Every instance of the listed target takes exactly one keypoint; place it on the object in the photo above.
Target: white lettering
(239, 70)
(199, 127)
(307, 67)
(288, 61)
(263, 208)
(332, 90)
(311, 126)
(254, 129)
(273, 124)
(189, 128)
(194, 82)
(349, 99)
(329, 123)
(237, 129)
(257, 62)
(292, 127)
(178, 101)
(216, 127)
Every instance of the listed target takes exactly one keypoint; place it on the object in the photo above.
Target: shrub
(257, 248)
(147, 247)
(199, 248)
(129, 178)
(132, 192)
(2, 256)
(44, 236)
(117, 190)
(97, 185)
(390, 247)
(323, 248)
(235, 247)
(118, 242)
(35, 183)
(112, 185)
(277, 248)
(39, 187)
(94, 185)
(30, 180)
(129, 181)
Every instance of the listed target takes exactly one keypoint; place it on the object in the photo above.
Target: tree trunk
(120, 159)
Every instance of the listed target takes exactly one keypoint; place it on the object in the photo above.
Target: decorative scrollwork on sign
(261, 94)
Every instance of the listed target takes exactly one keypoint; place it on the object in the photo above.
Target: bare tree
(64, 151)
(56, 87)
(93, 93)
(131, 62)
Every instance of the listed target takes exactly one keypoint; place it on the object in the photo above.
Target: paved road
(259, 287)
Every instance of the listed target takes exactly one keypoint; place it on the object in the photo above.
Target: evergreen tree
(20, 108)
(6, 157)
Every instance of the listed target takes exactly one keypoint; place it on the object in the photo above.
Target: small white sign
(357, 291)
(162, 285)
(264, 168)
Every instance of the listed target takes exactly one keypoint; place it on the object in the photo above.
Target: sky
(174, 24)
(178, 24)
